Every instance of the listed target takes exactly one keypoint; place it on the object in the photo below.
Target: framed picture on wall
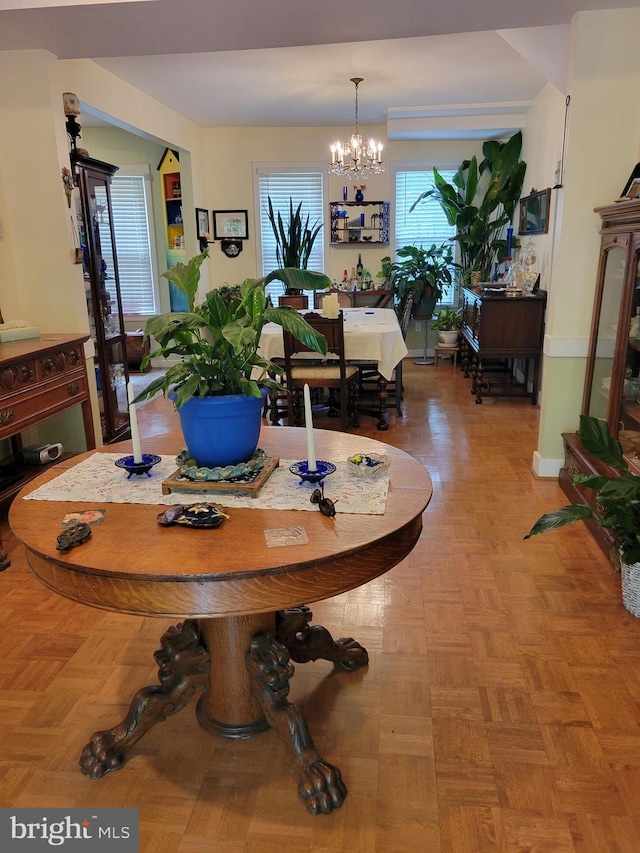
(534, 212)
(230, 224)
(632, 180)
(634, 189)
(202, 223)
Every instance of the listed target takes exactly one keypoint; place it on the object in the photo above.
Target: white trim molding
(544, 468)
(565, 347)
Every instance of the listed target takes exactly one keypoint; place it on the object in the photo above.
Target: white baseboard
(546, 467)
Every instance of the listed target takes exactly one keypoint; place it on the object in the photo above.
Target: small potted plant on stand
(219, 384)
(616, 510)
(447, 324)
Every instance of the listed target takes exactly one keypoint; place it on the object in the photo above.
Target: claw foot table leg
(184, 670)
(306, 642)
(320, 785)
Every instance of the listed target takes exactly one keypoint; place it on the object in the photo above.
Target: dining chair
(344, 298)
(370, 376)
(298, 301)
(334, 373)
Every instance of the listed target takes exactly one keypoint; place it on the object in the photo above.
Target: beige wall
(602, 148)
(230, 156)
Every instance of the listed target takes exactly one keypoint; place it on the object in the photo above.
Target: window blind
(131, 227)
(280, 186)
(425, 224)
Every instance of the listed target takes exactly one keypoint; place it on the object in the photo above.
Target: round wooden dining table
(244, 604)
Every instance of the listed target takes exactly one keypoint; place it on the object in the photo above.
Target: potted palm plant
(219, 383)
(423, 272)
(616, 510)
(294, 240)
(447, 324)
(480, 202)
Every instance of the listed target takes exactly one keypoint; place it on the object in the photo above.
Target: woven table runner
(97, 480)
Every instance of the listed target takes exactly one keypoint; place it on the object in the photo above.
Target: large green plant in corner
(218, 340)
(480, 202)
(294, 238)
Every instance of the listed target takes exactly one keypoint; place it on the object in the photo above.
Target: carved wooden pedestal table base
(240, 600)
(187, 666)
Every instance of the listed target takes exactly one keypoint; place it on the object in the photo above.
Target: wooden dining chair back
(298, 301)
(333, 373)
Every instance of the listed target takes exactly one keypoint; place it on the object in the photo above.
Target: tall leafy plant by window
(294, 237)
(479, 202)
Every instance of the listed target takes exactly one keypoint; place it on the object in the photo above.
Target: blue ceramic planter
(221, 431)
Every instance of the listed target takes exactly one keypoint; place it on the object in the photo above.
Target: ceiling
(289, 63)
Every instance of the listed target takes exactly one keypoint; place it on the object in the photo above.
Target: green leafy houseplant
(295, 240)
(447, 320)
(617, 500)
(480, 202)
(423, 272)
(218, 340)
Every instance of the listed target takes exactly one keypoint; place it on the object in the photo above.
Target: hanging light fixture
(356, 157)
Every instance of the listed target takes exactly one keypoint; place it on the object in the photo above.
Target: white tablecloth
(370, 334)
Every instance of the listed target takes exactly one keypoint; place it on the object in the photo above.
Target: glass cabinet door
(601, 387)
(629, 414)
(102, 291)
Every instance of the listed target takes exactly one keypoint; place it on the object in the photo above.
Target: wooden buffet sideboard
(497, 327)
(39, 377)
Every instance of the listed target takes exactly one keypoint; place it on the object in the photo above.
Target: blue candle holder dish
(301, 469)
(131, 467)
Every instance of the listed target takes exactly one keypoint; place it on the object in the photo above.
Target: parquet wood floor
(500, 712)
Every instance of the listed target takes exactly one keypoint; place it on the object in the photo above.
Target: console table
(500, 327)
(39, 377)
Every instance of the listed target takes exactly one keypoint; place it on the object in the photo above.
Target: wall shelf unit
(364, 223)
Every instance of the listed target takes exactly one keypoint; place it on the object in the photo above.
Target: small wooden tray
(177, 483)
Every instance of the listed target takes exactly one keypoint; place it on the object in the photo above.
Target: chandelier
(355, 157)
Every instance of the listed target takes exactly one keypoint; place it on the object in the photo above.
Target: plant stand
(425, 359)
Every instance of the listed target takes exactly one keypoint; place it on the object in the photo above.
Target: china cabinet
(102, 289)
(361, 222)
(612, 379)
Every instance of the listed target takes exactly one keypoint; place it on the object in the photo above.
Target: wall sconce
(231, 248)
(71, 110)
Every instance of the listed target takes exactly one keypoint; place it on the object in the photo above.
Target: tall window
(130, 201)
(280, 185)
(425, 224)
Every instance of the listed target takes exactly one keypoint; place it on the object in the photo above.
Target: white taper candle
(312, 465)
(133, 420)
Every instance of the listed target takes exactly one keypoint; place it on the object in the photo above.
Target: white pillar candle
(312, 465)
(133, 420)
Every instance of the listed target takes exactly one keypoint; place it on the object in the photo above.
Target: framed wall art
(230, 224)
(534, 212)
(203, 229)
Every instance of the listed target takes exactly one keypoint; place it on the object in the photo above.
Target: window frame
(142, 170)
(442, 165)
(269, 168)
